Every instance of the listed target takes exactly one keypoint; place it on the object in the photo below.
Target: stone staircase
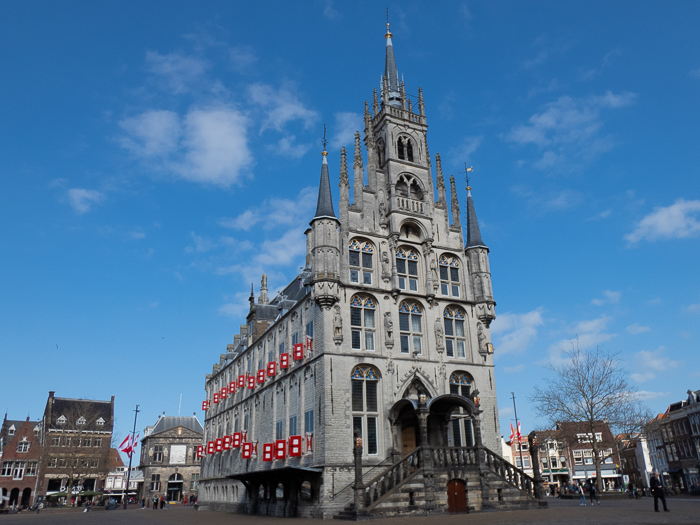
(409, 487)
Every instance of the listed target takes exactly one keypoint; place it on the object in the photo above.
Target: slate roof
(75, 408)
(473, 233)
(391, 73)
(324, 207)
(167, 422)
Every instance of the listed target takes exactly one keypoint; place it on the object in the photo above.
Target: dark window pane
(468, 434)
(404, 325)
(371, 396)
(404, 344)
(454, 390)
(356, 339)
(412, 268)
(357, 398)
(366, 260)
(354, 258)
(450, 348)
(443, 273)
(371, 435)
(454, 274)
(465, 390)
(401, 265)
(457, 435)
(448, 327)
(355, 316)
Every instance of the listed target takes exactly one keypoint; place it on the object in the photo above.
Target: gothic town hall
(380, 344)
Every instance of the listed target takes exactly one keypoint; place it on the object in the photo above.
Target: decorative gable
(100, 422)
(61, 420)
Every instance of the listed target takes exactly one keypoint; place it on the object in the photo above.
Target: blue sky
(156, 158)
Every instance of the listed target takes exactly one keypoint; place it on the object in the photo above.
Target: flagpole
(131, 453)
(517, 430)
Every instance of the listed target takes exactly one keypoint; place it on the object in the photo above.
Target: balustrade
(415, 206)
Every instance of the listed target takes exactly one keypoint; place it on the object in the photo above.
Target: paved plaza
(613, 512)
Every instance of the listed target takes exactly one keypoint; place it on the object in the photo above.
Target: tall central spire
(391, 74)
(324, 207)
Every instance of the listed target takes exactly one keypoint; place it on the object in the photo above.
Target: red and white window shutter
(284, 360)
(271, 368)
(267, 451)
(294, 446)
(247, 450)
(236, 439)
(280, 449)
(298, 351)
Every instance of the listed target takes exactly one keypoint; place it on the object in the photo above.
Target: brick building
(384, 334)
(169, 459)
(20, 459)
(77, 435)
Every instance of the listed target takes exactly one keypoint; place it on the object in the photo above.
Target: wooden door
(408, 438)
(456, 496)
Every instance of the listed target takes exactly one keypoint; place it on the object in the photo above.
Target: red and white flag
(129, 445)
(520, 437)
(512, 433)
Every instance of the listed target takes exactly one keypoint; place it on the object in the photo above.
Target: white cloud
(677, 221)
(81, 200)
(242, 57)
(177, 72)
(648, 363)
(635, 329)
(514, 369)
(515, 332)
(646, 395)
(346, 124)
(287, 147)
(693, 308)
(609, 297)
(280, 106)
(208, 145)
(153, 133)
(587, 334)
(329, 10)
(276, 212)
(463, 152)
(568, 129)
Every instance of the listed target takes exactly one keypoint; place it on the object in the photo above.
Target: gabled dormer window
(11, 431)
(23, 446)
(81, 421)
(61, 420)
(100, 422)
(37, 430)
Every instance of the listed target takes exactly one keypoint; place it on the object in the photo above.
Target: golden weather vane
(466, 172)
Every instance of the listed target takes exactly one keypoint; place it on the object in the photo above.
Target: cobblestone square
(611, 512)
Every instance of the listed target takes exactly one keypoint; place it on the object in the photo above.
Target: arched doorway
(175, 487)
(4, 498)
(26, 497)
(456, 496)
(14, 497)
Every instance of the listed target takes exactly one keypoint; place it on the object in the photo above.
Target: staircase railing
(395, 475)
(509, 472)
(446, 457)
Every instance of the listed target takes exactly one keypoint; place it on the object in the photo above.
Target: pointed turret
(324, 208)
(391, 74)
(456, 219)
(473, 233)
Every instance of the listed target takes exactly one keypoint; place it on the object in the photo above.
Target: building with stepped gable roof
(383, 336)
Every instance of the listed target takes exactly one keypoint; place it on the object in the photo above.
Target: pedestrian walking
(579, 489)
(155, 502)
(658, 491)
(162, 501)
(143, 503)
(592, 492)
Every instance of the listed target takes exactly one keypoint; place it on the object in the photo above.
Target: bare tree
(589, 392)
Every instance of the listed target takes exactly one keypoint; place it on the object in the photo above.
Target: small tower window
(409, 150)
(410, 325)
(362, 322)
(449, 276)
(402, 153)
(360, 258)
(407, 268)
(454, 332)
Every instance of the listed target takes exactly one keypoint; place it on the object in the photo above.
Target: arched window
(407, 268)
(360, 258)
(400, 147)
(362, 322)
(462, 429)
(410, 326)
(460, 384)
(409, 150)
(455, 341)
(449, 275)
(365, 406)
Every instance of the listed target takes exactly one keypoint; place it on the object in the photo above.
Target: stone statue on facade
(337, 323)
(386, 266)
(434, 275)
(388, 328)
(482, 338)
(439, 335)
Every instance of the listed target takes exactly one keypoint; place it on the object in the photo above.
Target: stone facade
(169, 459)
(392, 311)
